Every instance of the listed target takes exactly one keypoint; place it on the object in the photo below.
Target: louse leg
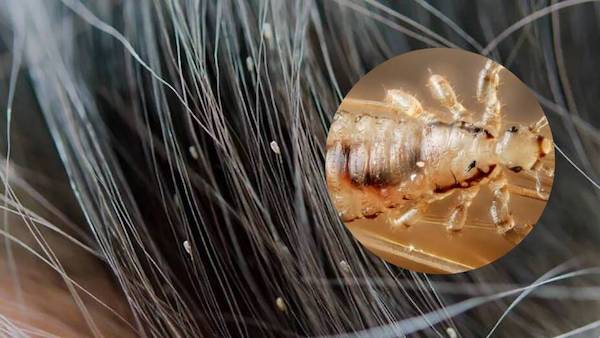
(536, 173)
(539, 125)
(408, 217)
(538, 184)
(526, 192)
(442, 91)
(499, 210)
(403, 102)
(487, 93)
(415, 213)
(406, 104)
(457, 218)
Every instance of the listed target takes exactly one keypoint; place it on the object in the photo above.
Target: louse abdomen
(374, 151)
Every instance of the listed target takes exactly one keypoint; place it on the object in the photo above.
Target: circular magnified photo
(439, 161)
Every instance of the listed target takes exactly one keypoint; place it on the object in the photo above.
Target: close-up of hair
(163, 168)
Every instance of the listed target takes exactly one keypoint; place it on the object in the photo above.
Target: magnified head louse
(396, 152)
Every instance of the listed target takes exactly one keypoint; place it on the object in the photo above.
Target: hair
(163, 170)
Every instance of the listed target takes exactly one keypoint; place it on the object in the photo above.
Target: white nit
(283, 249)
(420, 164)
(250, 64)
(188, 247)
(193, 152)
(451, 332)
(411, 248)
(281, 306)
(275, 147)
(344, 266)
(267, 32)
(413, 176)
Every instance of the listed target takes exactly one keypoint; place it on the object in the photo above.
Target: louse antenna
(537, 127)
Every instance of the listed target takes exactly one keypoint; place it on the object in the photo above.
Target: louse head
(523, 147)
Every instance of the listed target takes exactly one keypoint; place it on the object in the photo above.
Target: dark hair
(188, 139)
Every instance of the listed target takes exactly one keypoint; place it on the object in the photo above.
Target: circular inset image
(440, 160)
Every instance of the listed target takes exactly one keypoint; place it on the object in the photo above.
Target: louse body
(396, 152)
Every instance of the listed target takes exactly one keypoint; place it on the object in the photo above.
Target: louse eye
(516, 169)
(513, 129)
(472, 165)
